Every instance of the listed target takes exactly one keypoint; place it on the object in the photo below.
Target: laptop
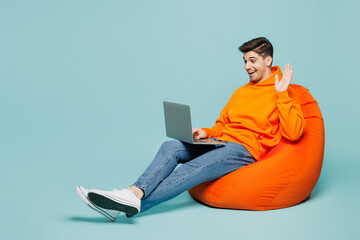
(178, 124)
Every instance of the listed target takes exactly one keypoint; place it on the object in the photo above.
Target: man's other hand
(283, 85)
(198, 133)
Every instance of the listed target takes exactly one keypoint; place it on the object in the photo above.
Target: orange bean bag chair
(285, 177)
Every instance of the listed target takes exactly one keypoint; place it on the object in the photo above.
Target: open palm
(283, 84)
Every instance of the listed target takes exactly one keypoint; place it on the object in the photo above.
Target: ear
(268, 61)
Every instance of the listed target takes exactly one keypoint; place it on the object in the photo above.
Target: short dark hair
(260, 45)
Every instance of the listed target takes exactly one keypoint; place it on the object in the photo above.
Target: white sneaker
(109, 214)
(121, 200)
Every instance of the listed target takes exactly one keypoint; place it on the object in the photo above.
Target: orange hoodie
(257, 116)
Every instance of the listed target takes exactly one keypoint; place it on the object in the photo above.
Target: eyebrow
(250, 58)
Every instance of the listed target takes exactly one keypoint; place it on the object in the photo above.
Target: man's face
(258, 68)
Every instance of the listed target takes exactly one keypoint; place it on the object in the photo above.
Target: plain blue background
(81, 81)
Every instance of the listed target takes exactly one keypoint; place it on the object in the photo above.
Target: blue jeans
(199, 163)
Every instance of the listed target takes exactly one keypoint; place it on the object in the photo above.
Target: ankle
(139, 193)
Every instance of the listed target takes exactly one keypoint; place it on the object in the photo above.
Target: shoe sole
(108, 203)
(92, 206)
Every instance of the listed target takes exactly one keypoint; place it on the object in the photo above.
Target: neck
(267, 74)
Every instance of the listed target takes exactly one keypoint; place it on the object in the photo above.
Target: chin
(254, 79)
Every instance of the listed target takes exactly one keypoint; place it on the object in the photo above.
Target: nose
(247, 66)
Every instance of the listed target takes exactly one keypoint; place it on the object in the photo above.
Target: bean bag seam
(307, 103)
(313, 117)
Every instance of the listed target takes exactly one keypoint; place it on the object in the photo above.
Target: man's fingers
(288, 72)
(196, 133)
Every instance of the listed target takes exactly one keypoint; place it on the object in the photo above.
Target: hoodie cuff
(283, 96)
(207, 131)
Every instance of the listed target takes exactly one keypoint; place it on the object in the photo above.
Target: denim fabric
(163, 180)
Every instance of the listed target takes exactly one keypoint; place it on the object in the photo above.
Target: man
(254, 120)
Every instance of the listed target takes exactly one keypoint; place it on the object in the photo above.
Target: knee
(172, 145)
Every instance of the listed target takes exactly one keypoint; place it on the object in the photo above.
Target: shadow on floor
(99, 220)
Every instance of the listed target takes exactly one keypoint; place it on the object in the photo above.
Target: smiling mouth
(251, 72)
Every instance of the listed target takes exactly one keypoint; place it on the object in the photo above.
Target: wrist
(205, 131)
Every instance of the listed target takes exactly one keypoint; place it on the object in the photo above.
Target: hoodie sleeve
(292, 122)
(220, 123)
